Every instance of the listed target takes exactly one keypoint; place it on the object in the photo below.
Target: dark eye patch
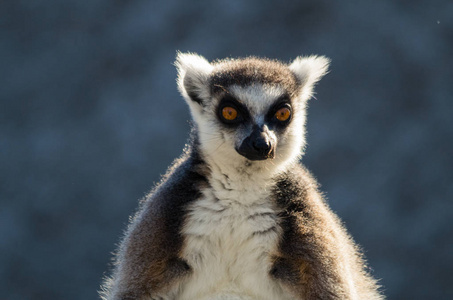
(229, 101)
(283, 101)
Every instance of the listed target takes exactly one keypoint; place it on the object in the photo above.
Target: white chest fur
(230, 236)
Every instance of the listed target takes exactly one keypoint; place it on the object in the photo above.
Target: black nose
(262, 144)
(257, 146)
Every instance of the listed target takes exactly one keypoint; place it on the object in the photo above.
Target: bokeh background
(90, 117)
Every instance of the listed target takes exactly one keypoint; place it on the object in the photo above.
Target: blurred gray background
(90, 117)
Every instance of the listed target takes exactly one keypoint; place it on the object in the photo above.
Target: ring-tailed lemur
(237, 217)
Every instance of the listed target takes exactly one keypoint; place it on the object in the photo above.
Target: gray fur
(148, 261)
(245, 72)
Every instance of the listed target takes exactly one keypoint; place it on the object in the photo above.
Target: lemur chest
(229, 246)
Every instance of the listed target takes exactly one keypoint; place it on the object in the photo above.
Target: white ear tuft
(310, 70)
(193, 75)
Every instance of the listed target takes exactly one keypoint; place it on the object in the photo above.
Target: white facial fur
(218, 143)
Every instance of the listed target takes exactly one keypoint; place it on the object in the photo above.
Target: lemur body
(237, 217)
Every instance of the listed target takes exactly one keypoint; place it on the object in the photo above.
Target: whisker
(221, 144)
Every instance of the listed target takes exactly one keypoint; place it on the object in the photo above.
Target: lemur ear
(309, 70)
(193, 76)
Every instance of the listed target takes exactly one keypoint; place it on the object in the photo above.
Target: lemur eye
(229, 113)
(283, 114)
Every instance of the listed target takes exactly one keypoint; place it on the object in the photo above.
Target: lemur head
(249, 113)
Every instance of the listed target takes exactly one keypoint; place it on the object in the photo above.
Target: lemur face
(254, 118)
(249, 111)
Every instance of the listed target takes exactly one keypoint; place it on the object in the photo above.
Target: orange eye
(229, 113)
(283, 114)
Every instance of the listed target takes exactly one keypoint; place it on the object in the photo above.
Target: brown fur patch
(149, 260)
(311, 254)
(246, 71)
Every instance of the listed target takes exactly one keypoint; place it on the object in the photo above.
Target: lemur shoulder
(237, 216)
